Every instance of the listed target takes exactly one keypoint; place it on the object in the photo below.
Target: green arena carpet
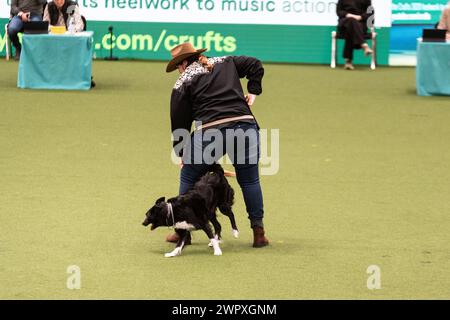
(364, 179)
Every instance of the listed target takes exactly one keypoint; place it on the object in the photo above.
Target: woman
(444, 23)
(57, 13)
(209, 92)
(353, 17)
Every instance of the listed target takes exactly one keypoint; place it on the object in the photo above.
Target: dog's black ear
(160, 200)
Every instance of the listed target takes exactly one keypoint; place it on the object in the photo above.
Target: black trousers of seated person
(353, 32)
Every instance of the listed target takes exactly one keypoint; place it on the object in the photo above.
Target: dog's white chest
(184, 226)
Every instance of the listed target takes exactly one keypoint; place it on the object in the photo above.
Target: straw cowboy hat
(180, 53)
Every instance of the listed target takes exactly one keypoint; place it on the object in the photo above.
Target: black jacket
(358, 7)
(33, 6)
(54, 12)
(204, 96)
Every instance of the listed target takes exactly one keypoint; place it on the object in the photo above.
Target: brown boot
(174, 237)
(17, 54)
(259, 240)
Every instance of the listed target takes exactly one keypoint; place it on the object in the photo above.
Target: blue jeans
(245, 160)
(16, 25)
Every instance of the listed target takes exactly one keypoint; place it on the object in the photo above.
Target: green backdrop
(271, 43)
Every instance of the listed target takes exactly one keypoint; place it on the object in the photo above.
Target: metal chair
(7, 43)
(372, 35)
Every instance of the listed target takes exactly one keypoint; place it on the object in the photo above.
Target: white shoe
(349, 66)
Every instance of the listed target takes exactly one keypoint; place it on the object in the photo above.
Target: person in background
(23, 11)
(444, 23)
(353, 17)
(57, 13)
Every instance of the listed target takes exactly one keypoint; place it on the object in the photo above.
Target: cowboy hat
(180, 53)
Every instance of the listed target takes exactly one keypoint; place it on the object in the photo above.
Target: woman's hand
(250, 99)
(25, 16)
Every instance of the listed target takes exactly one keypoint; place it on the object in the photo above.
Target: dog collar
(170, 213)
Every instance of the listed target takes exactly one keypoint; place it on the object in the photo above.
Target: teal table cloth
(433, 68)
(56, 61)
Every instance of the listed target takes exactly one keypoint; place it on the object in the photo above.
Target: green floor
(364, 180)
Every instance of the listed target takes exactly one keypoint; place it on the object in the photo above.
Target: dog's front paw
(210, 244)
(217, 239)
(174, 253)
(235, 233)
(217, 252)
(171, 254)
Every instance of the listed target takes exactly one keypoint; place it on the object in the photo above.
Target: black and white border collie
(195, 210)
